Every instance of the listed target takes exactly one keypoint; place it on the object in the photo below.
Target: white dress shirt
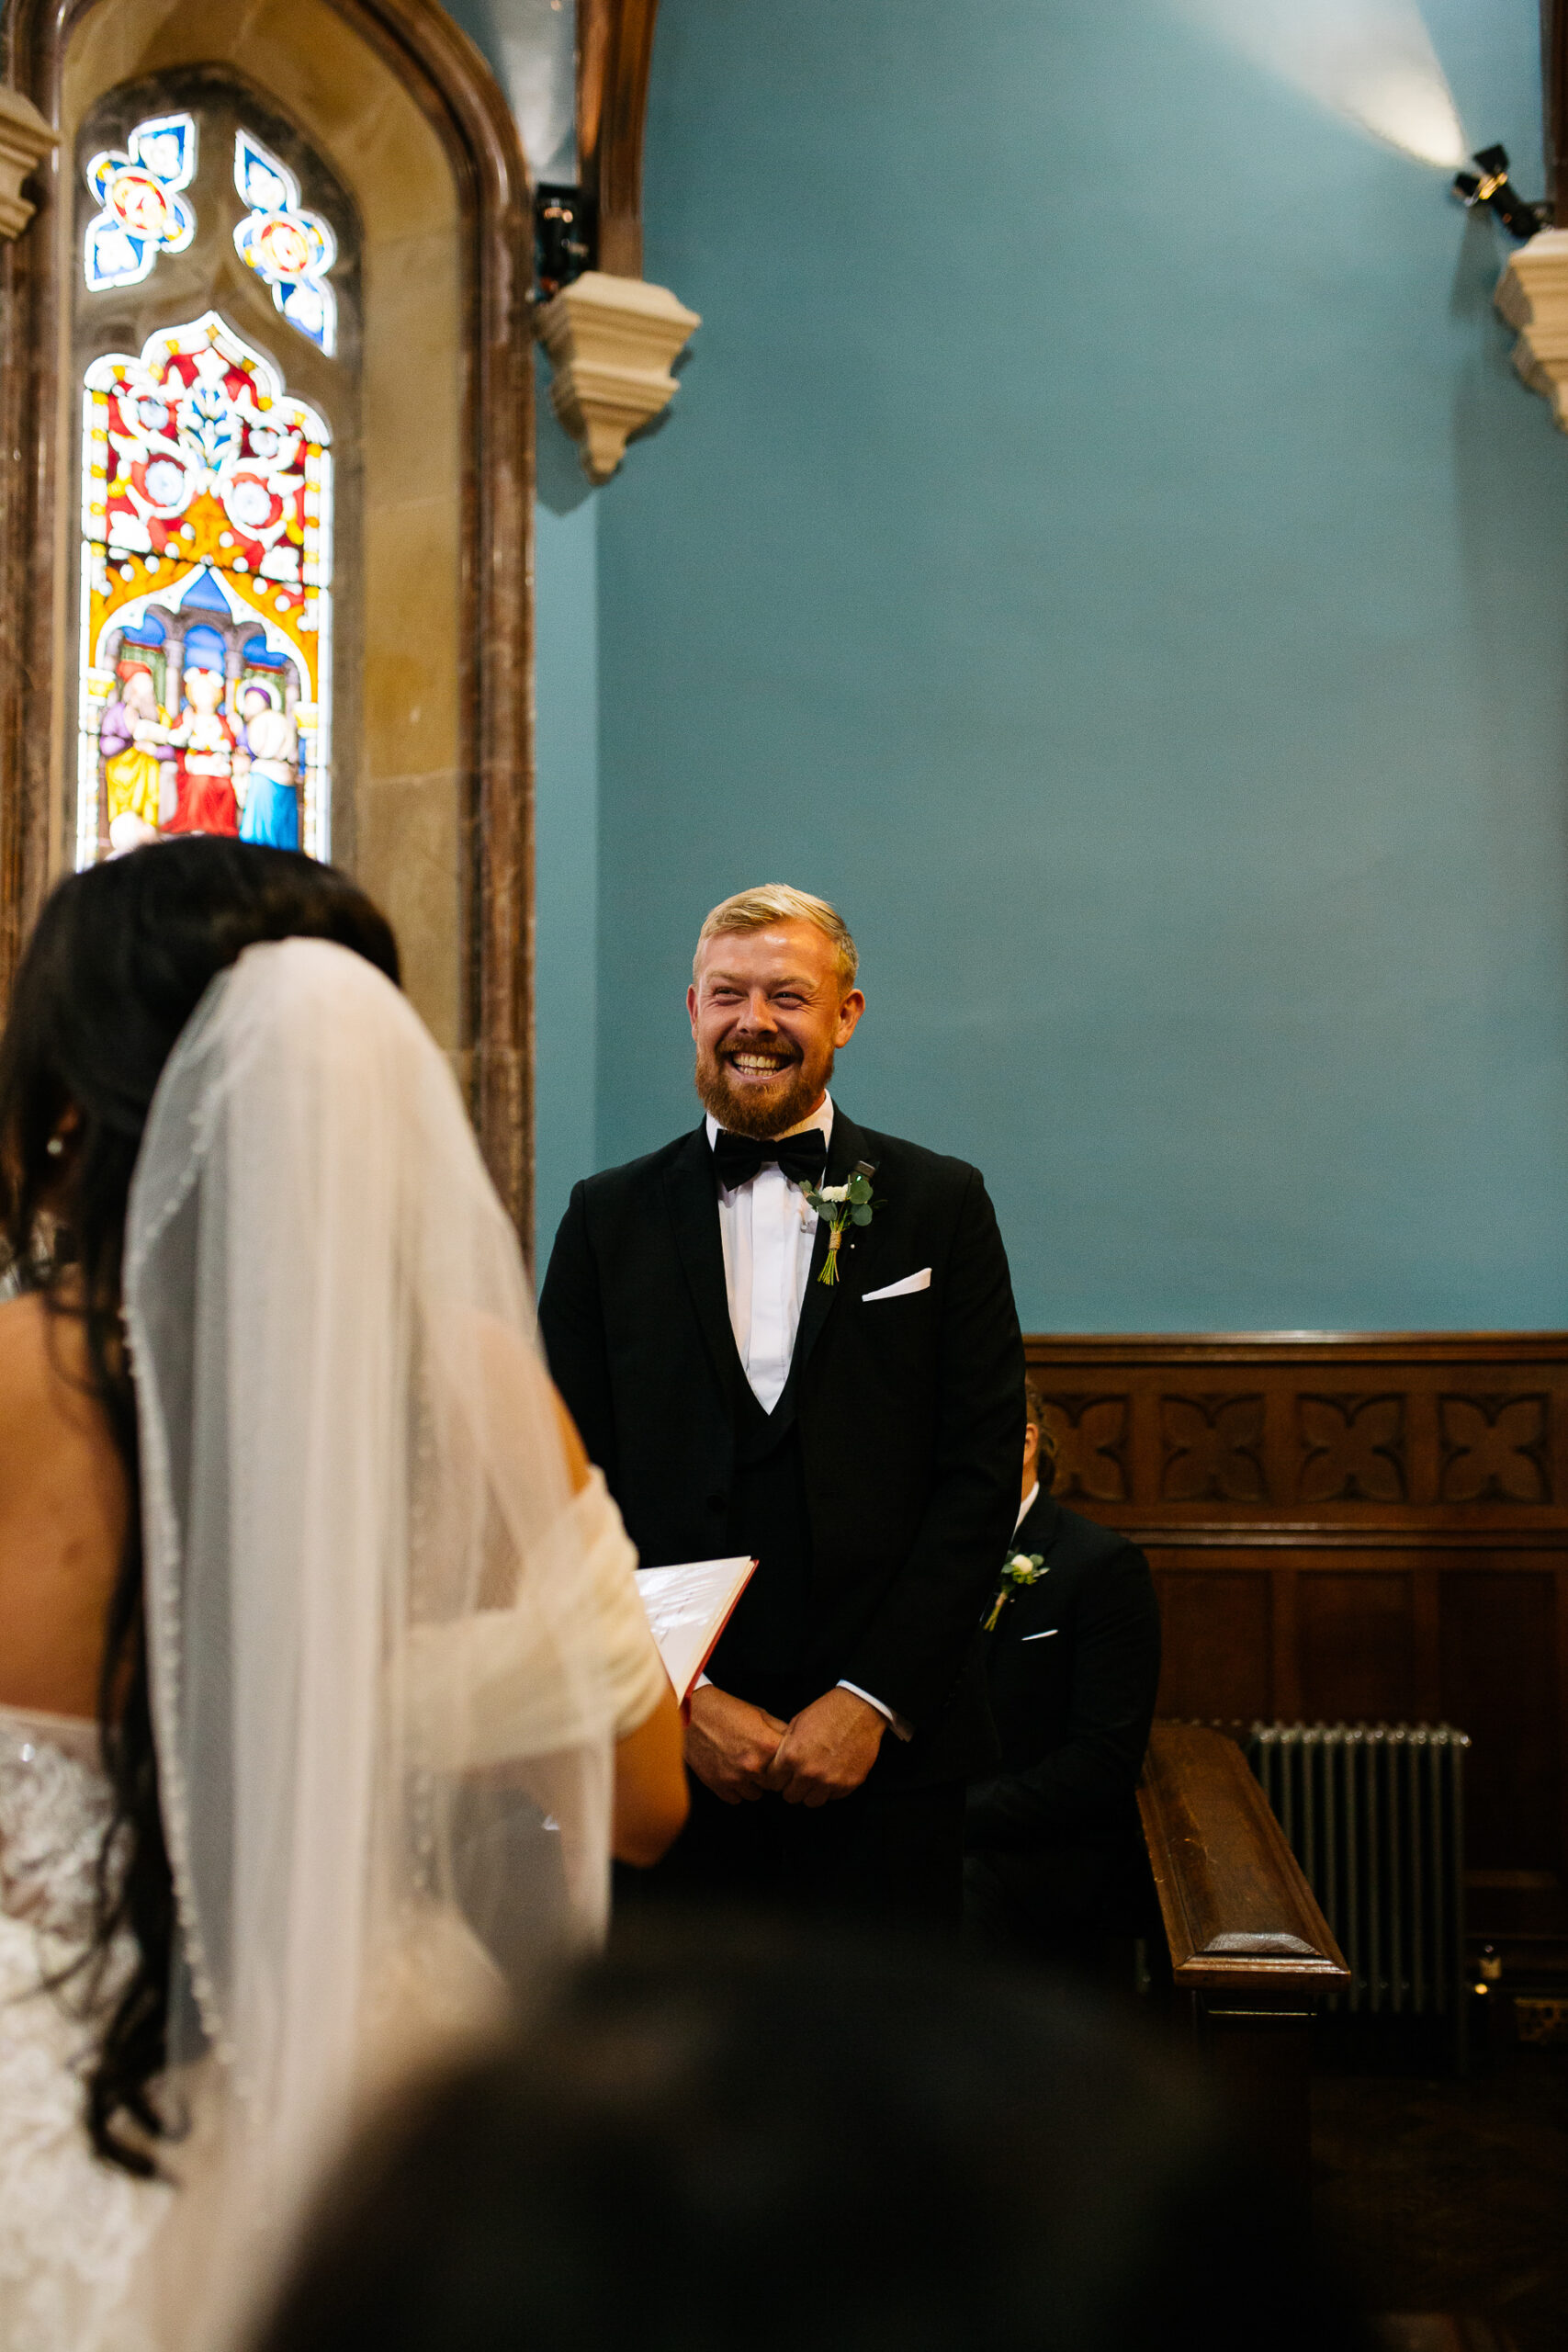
(1031, 1498)
(767, 1231)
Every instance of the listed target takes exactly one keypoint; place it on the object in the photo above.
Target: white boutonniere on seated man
(1017, 1568)
(840, 1206)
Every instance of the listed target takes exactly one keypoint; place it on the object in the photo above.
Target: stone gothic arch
(433, 796)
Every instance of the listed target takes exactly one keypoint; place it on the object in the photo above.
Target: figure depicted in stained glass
(264, 767)
(206, 799)
(206, 506)
(143, 212)
(291, 250)
(138, 751)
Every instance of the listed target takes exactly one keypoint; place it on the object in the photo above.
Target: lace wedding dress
(72, 2231)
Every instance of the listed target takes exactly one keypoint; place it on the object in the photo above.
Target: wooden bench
(1250, 1953)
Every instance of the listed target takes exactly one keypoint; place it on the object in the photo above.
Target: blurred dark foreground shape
(731, 2133)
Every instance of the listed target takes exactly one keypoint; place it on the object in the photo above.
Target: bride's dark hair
(121, 956)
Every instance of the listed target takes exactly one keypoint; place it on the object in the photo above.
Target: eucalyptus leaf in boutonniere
(840, 1206)
(1019, 1567)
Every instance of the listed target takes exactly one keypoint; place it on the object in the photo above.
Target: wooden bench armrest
(1239, 1916)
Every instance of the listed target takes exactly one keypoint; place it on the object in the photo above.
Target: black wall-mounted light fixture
(1496, 191)
(566, 237)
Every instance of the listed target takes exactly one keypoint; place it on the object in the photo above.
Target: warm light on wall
(1370, 60)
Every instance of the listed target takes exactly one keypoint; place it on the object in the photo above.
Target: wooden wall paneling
(1559, 1456)
(1356, 1645)
(1278, 1434)
(1563, 1706)
(1139, 1455)
(1218, 1638)
(1427, 1646)
(1423, 1453)
(1354, 1526)
(1499, 1683)
(1287, 1661)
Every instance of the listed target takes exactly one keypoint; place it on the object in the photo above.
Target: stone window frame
(458, 96)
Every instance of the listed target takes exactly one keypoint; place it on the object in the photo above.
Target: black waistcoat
(766, 1647)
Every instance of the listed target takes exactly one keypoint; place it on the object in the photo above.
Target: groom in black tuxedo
(859, 1436)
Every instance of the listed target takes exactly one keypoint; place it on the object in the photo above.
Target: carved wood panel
(1352, 1449)
(1354, 1528)
(1494, 1449)
(1088, 1439)
(1212, 1448)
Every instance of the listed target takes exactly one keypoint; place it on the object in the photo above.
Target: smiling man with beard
(851, 1417)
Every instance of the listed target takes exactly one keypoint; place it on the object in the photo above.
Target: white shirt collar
(821, 1118)
(1031, 1498)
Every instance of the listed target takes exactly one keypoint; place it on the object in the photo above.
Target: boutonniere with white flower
(1017, 1568)
(840, 1206)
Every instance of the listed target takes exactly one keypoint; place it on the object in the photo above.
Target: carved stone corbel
(610, 342)
(1532, 295)
(25, 140)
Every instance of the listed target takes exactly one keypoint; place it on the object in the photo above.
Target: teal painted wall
(1099, 541)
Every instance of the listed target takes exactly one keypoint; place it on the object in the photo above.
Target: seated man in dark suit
(1055, 1863)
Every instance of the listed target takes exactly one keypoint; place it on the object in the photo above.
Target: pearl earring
(55, 1146)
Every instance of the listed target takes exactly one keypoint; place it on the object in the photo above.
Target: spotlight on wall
(1496, 192)
(565, 237)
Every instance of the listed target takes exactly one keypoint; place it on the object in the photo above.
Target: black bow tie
(802, 1157)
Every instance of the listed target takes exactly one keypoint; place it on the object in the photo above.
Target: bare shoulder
(19, 1316)
(63, 1499)
(47, 1409)
(43, 1364)
(23, 1346)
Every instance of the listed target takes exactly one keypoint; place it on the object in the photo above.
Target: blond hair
(778, 902)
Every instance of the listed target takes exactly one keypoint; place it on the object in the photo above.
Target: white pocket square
(922, 1280)
(1045, 1636)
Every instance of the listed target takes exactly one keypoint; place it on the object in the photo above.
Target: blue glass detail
(290, 249)
(142, 212)
(204, 594)
(204, 647)
(266, 185)
(258, 654)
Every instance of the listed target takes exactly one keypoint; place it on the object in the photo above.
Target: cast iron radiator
(1374, 1814)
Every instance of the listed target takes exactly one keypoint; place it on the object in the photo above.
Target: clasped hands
(741, 1752)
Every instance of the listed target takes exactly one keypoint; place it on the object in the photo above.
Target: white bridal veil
(381, 1711)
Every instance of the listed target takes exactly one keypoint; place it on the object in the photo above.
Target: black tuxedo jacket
(1072, 1668)
(909, 1412)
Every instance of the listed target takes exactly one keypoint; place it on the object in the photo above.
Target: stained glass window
(143, 214)
(291, 250)
(206, 688)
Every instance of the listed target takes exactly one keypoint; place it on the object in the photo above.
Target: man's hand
(827, 1750)
(730, 1745)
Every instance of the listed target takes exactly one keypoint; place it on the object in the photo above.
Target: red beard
(746, 1111)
